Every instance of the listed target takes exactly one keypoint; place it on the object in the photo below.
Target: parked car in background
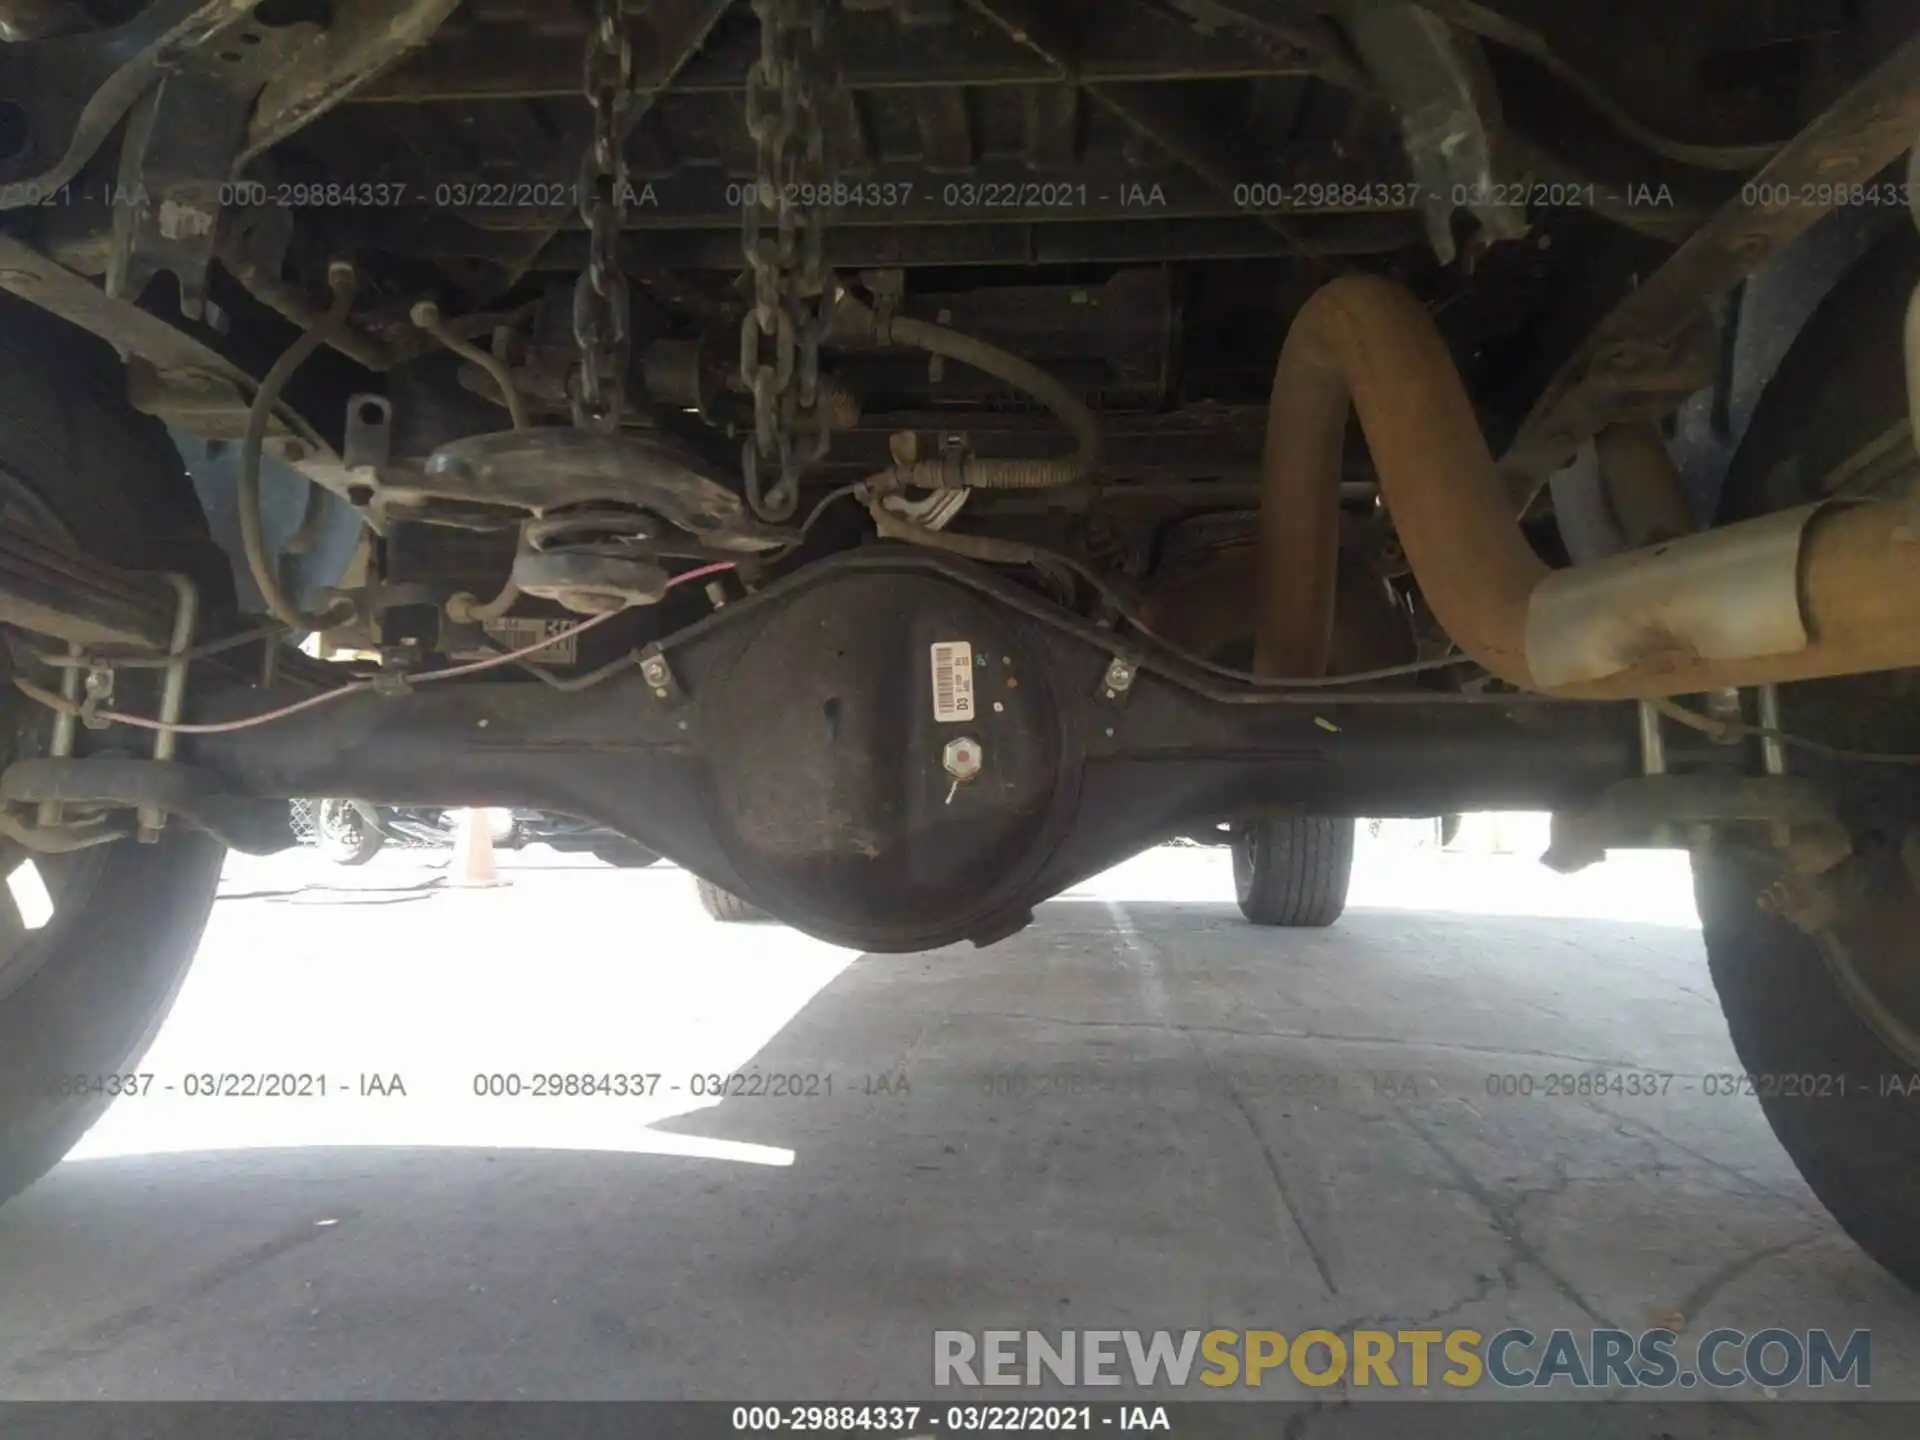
(352, 832)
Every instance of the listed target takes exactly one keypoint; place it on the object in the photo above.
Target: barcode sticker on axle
(953, 680)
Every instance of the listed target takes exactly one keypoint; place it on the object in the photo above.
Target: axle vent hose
(1022, 375)
(261, 561)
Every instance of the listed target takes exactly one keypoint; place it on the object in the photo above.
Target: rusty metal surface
(1206, 610)
(1646, 356)
(1704, 612)
(1368, 345)
(1642, 486)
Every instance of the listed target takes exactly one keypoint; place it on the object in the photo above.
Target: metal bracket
(81, 85)
(96, 693)
(1795, 816)
(1449, 115)
(368, 441)
(367, 38)
(934, 510)
(558, 469)
(659, 675)
(1117, 682)
(182, 140)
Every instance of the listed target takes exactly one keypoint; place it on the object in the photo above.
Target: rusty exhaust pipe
(1820, 591)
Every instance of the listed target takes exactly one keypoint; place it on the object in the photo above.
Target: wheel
(343, 834)
(1826, 1019)
(1828, 1027)
(84, 995)
(624, 854)
(1293, 870)
(727, 907)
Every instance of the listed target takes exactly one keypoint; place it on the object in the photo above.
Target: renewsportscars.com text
(1512, 1359)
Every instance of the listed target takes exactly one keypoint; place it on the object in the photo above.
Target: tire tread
(1298, 872)
(727, 907)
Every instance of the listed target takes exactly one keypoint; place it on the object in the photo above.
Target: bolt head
(1119, 676)
(963, 758)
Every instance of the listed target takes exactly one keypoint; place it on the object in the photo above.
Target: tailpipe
(1804, 594)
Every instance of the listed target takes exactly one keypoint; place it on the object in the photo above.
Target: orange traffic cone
(473, 863)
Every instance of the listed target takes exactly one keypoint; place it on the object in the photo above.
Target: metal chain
(783, 224)
(600, 300)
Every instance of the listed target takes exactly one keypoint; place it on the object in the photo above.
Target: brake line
(342, 280)
(227, 727)
(1721, 730)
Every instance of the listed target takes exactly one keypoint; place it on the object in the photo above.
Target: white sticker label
(516, 633)
(953, 681)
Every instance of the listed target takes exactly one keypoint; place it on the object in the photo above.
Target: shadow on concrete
(1134, 1115)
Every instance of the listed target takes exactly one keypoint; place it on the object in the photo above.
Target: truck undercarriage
(899, 457)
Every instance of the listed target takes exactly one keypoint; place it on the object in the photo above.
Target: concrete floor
(1141, 1113)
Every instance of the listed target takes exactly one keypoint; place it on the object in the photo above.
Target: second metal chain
(600, 298)
(783, 223)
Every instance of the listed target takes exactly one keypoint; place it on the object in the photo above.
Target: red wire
(491, 662)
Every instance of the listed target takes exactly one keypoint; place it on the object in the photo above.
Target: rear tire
(1840, 1090)
(1827, 1025)
(83, 997)
(96, 995)
(1293, 870)
(727, 907)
